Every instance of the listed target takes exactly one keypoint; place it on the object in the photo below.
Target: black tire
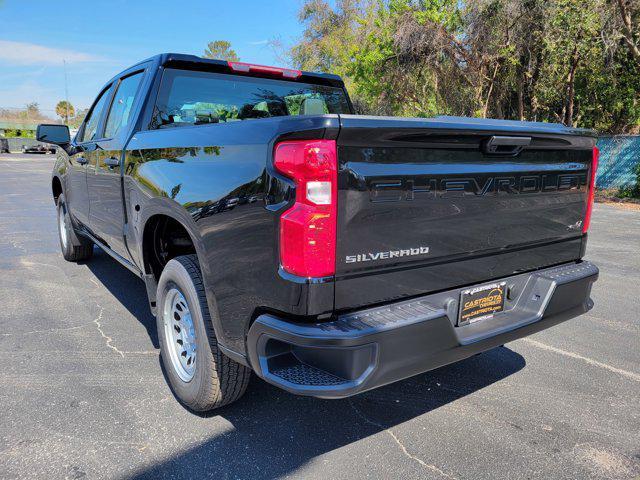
(73, 246)
(217, 380)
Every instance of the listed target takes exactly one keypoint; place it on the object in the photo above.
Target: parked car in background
(327, 252)
(39, 148)
(4, 145)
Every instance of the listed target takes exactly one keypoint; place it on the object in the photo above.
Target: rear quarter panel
(218, 182)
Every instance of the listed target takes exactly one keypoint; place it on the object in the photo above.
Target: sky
(98, 39)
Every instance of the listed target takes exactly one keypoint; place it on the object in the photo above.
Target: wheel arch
(151, 227)
(173, 233)
(56, 188)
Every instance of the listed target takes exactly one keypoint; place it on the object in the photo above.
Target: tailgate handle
(498, 145)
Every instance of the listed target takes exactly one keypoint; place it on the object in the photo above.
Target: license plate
(479, 303)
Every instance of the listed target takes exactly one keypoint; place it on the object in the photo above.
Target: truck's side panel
(216, 181)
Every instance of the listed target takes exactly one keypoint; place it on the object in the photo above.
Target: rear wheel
(201, 376)
(73, 246)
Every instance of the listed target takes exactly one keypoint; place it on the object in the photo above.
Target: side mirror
(53, 133)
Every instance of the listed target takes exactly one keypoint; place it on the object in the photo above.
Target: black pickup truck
(327, 252)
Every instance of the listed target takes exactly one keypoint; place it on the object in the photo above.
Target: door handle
(82, 161)
(112, 162)
(499, 145)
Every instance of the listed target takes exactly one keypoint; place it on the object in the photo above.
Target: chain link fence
(619, 156)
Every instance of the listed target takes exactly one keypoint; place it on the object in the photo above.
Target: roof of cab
(182, 60)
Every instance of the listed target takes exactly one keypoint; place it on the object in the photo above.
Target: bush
(19, 133)
(631, 191)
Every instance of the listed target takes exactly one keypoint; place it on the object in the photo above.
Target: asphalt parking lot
(83, 395)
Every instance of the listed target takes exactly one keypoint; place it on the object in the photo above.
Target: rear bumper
(369, 348)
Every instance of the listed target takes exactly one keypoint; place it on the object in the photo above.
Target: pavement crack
(17, 245)
(107, 338)
(401, 445)
(625, 373)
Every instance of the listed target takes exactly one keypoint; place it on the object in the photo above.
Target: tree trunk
(533, 84)
(568, 111)
(520, 95)
(485, 109)
(627, 30)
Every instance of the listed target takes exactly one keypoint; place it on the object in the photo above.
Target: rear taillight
(592, 189)
(308, 228)
(264, 69)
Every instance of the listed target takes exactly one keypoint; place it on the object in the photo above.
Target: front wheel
(74, 248)
(202, 377)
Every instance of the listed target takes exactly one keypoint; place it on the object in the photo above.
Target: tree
(570, 61)
(32, 110)
(573, 56)
(221, 50)
(65, 111)
(630, 16)
(30, 113)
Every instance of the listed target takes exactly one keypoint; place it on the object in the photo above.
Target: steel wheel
(180, 334)
(62, 227)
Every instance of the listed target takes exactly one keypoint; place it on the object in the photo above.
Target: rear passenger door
(107, 215)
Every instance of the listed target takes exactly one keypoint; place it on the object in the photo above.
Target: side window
(91, 125)
(121, 106)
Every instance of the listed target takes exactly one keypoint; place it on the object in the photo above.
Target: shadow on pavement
(274, 433)
(125, 287)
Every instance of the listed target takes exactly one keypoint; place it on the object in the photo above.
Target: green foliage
(545, 60)
(221, 50)
(65, 111)
(19, 133)
(329, 36)
(631, 191)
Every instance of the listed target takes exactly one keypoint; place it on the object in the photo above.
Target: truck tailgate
(425, 205)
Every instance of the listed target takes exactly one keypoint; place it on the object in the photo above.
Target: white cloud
(259, 42)
(31, 90)
(21, 53)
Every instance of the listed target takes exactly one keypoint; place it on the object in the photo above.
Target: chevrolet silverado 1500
(327, 252)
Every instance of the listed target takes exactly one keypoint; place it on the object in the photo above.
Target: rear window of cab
(195, 98)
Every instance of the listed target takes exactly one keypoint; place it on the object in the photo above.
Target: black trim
(116, 87)
(123, 261)
(191, 62)
(363, 350)
(108, 90)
